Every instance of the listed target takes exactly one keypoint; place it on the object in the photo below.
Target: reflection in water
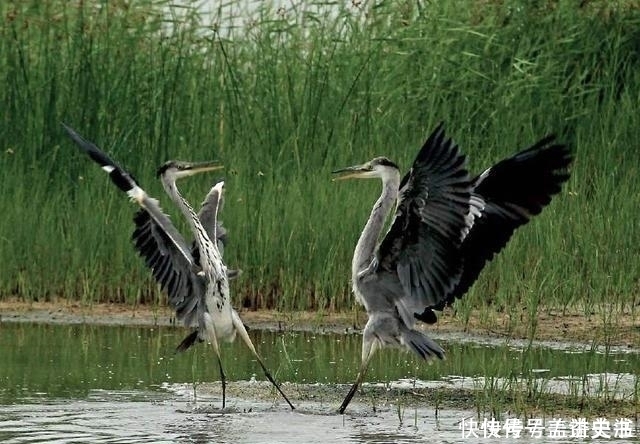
(80, 383)
(45, 361)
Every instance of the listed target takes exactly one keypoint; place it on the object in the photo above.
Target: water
(82, 383)
(110, 419)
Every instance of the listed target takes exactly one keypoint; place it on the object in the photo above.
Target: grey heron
(446, 227)
(195, 279)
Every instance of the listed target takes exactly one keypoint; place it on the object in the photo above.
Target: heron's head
(379, 167)
(176, 169)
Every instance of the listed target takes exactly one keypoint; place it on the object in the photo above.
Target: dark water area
(52, 361)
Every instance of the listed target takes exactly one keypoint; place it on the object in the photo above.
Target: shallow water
(139, 416)
(82, 383)
(109, 417)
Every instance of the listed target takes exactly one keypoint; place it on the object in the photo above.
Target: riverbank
(571, 326)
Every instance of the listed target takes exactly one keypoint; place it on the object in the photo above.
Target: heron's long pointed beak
(355, 171)
(187, 169)
(201, 167)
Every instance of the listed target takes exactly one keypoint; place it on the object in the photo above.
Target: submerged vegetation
(284, 96)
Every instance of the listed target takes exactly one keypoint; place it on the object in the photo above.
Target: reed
(285, 96)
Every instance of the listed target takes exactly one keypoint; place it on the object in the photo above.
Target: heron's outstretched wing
(174, 272)
(434, 213)
(514, 190)
(208, 215)
(156, 239)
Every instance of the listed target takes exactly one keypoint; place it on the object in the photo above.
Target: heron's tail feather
(421, 344)
(188, 342)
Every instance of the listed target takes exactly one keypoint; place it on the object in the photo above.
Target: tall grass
(283, 96)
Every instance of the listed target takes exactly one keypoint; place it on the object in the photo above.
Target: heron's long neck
(369, 238)
(205, 245)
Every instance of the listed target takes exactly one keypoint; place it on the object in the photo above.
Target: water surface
(51, 361)
(83, 383)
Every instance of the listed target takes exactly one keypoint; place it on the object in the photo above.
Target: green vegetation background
(285, 96)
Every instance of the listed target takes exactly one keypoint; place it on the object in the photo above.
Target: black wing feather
(119, 177)
(514, 190)
(168, 267)
(423, 241)
(164, 250)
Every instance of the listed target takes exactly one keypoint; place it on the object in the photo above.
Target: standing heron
(195, 280)
(447, 226)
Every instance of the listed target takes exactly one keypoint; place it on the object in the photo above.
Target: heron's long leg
(270, 378)
(237, 322)
(368, 349)
(352, 391)
(214, 343)
(223, 379)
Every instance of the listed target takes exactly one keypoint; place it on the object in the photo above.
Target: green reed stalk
(283, 98)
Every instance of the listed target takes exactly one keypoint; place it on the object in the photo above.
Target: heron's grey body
(214, 316)
(195, 279)
(384, 328)
(216, 319)
(446, 227)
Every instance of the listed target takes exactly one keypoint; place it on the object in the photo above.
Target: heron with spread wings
(195, 279)
(447, 226)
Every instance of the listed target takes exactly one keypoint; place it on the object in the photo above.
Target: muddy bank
(432, 398)
(622, 330)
